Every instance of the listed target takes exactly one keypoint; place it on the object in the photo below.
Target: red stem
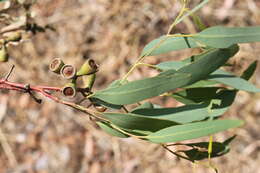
(4, 84)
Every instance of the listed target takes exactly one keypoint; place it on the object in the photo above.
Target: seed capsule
(68, 71)
(56, 65)
(88, 81)
(3, 54)
(89, 67)
(69, 90)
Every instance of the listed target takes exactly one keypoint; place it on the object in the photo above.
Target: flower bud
(99, 108)
(68, 71)
(69, 90)
(88, 81)
(3, 54)
(89, 67)
(13, 36)
(56, 65)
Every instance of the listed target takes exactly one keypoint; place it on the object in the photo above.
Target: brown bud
(13, 36)
(56, 65)
(99, 108)
(68, 71)
(89, 67)
(69, 90)
(3, 54)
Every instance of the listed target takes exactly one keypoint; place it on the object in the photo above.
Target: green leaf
(110, 130)
(138, 90)
(233, 81)
(169, 65)
(182, 114)
(105, 104)
(138, 122)
(248, 73)
(190, 12)
(226, 97)
(199, 150)
(223, 37)
(208, 62)
(196, 95)
(192, 131)
(145, 105)
(135, 91)
(216, 37)
(194, 112)
(198, 22)
(202, 83)
(165, 44)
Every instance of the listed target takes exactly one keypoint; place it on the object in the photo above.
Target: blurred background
(52, 138)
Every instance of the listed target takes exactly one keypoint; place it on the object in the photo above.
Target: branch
(46, 92)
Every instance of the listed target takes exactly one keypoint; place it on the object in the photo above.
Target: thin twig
(9, 73)
(43, 91)
(125, 109)
(176, 154)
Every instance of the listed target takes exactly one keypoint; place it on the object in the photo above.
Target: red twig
(45, 91)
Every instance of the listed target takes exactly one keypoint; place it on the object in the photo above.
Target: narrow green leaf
(199, 150)
(105, 104)
(194, 112)
(196, 95)
(200, 5)
(169, 65)
(145, 105)
(233, 81)
(192, 131)
(202, 83)
(138, 122)
(248, 73)
(110, 130)
(182, 114)
(223, 37)
(165, 44)
(198, 22)
(216, 37)
(135, 91)
(208, 62)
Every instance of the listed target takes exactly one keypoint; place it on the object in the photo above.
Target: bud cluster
(87, 73)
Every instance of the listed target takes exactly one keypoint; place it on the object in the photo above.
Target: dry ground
(53, 138)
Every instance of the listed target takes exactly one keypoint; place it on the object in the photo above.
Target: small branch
(9, 73)
(125, 109)
(176, 154)
(43, 90)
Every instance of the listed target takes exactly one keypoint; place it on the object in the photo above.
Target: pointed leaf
(110, 130)
(145, 105)
(248, 73)
(142, 89)
(165, 44)
(190, 113)
(138, 90)
(182, 114)
(192, 131)
(138, 122)
(208, 62)
(232, 80)
(196, 95)
(223, 37)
